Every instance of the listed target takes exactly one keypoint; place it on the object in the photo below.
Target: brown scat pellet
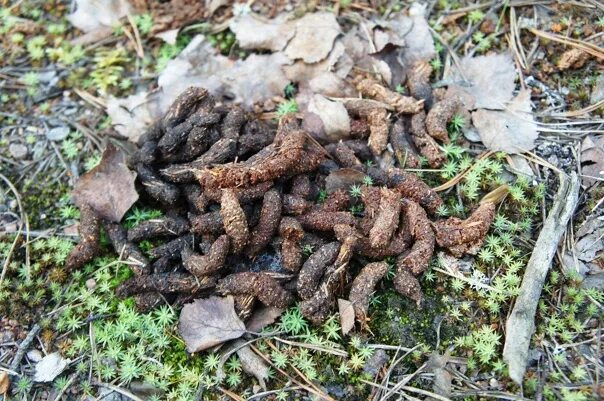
(270, 216)
(158, 189)
(152, 134)
(185, 104)
(360, 148)
(173, 248)
(370, 196)
(363, 287)
(337, 201)
(222, 151)
(270, 168)
(407, 285)
(295, 205)
(234, 220)
(426, 145)
(90, 236)
(316, 309)
(164, 283)
(418, 81)
(418, 258)
(256, 135)
(404, 150)
(232, 123)
(264, 287)
(287, 124)
(147, 301)
(344, 155)
(165, 226)
(325, 221)
(313, 157)
(363, 247)
(313, 269)
(163, 265)
(196, 200)
(378, 176)
(127, 250)
(369, 87)
(410, 186)
(245, 195)
(301, 186)
(438, 117)
(198, 141)
(386, 221)
(207, 223)
(209, 264)
(379, 128)
(453, 231)
(359, 128)
(174, 138)
(291, 251)
(204, 118)
(146, 154)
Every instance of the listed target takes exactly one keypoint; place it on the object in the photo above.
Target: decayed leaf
(131, 115)
(255, 32)
(209, 322)
(262, 317)
(50, 367)
(92, 14)
(491, 80)
(414, 29)
(346, 311)
(4, 382)
(315, 34)
(343, 179)
(109, 187)
(592, 159)
(334, 116)
(511, 131)
(252, 364)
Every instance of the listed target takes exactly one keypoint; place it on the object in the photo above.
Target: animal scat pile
(240, 209)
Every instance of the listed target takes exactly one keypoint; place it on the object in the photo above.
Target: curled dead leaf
(209, 322)
(109, 187)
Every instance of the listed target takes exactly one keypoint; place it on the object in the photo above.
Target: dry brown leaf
(592, 159)
(4, 382)
(256, 32)
(93, 14)
(491, 80)
(334, 116)
(262, 317)
(512, 130)
(315, 34)
(109, 187)
(573, 58)
(209, 322)
(346, 311)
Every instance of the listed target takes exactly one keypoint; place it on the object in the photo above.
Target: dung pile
(270, 215)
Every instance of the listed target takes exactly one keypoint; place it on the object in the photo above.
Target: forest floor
(73, 82)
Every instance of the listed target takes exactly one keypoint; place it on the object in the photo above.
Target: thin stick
(14, 365)
(521, 322)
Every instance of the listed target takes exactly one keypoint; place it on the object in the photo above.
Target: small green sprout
(289, 106)
(307, 250)
(355, 191)
(475, 16)
(368, 181)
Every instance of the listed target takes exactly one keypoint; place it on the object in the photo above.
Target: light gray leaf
(92, 14)
(490, 80)
(131, 115)
(255, 32)
(209, 322)
(252, 364)
(333, 115)
(50, 367)
(511, 131)
(315, 34)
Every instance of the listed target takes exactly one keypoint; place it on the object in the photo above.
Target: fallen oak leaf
(209, 322)
(109, 187)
